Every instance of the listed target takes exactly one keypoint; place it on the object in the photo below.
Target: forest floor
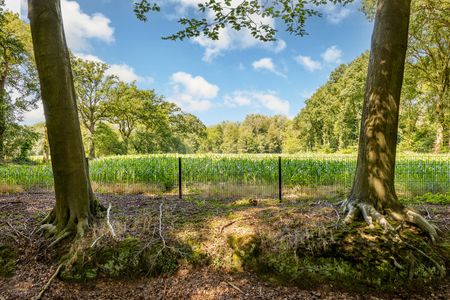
(141, 215)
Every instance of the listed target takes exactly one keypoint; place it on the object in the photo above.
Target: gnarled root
(58, 230)
(354, 208)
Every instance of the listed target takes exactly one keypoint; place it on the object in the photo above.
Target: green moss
(351, 257)
(8, 258)
(127, 258)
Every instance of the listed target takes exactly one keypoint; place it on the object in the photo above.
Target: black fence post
(280, 187)
(180, 187)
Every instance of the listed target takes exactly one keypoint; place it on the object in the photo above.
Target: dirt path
(18, 217)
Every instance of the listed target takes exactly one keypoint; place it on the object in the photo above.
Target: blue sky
(217, 81)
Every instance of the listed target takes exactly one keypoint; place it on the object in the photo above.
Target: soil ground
(20, 213)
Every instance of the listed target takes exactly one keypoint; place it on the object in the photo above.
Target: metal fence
(253, 176)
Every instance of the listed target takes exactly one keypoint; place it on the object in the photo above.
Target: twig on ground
(428, 213)
(17, 232)
(47, 285)
(232, 222)
(160, 225)
(235, 287)
(438, 266)
(337, 214)
(96, 240)
(113, 233)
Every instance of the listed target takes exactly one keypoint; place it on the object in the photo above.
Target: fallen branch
(232, 222)
(17, 232)
(235, 287)
(337, 214)
(96, 240)
(438, 266)
(160, 225)
(113, 233)
(47, 285)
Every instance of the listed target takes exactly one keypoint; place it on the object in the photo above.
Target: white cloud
(13, 5)
(124, 72)
(192, 93)
(332, 55)
(229, 39)
(278, 46)
(266, 64)
(80, 27)
(89, 57)
(335, 13)
(308, 63)
(269, 100)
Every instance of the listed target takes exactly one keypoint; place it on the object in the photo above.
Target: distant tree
(92, 86)
(107, 141)
(231, 132)
(125, 109)
(17, 73)
(19, 142)
(429, 57)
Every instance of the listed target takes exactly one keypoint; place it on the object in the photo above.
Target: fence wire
(227, 176)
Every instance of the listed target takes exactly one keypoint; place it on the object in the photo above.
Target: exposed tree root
(47, 285)
(354, 208)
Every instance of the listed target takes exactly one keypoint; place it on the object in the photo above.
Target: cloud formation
(81, 28)
(124, 72)
(229, 39)
(192, 93)
(308, 63)
(267, 99)
(331, 56)
(267, 64)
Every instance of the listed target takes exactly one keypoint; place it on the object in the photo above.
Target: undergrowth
(293, 243)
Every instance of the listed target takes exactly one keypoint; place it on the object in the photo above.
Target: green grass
(415, 174)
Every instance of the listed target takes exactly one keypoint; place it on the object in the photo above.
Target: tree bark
(373, 193)
(75, 205)
(440, 116)
(2, 117)
(374, 179)
(91, 141)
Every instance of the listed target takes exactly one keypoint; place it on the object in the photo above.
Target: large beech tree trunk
(373, 192)
(75, 204)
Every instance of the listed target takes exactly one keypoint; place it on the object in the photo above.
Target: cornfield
(235, 175)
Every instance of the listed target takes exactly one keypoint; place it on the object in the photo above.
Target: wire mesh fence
(253, 176)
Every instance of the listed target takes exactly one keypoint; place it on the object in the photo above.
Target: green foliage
(351, 257)
(125, 258)
(256, 134)
(107, 141)
(8, 258)
(241, 15)
(431, 198)
(19, 142)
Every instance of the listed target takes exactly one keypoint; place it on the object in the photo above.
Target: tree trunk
(439, 140)
(46, 150)
(75, 205)
(2, 117)
(91, 142)
(373, 192)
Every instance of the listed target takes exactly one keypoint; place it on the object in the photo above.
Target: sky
(215, 80)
